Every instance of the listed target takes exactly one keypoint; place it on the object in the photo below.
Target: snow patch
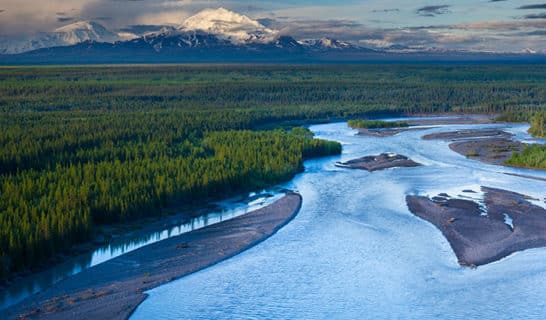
(508, 221)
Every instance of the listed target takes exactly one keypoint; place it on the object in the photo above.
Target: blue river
(355, 251)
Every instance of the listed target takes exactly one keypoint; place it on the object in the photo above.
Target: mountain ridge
(220, 35)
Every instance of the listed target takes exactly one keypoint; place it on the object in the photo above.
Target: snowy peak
(81, 26)
(229, 25)
(73, 33)
(84, 31)
(327, 43)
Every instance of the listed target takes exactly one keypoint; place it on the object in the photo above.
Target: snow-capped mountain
(84, 31)
(213, 35)
(229, 25)
(71, 34)
(210, 28)
(218, 29)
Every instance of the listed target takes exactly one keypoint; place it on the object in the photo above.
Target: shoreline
(114, 289)
(494, 151)
(491, 146)
(113, 237)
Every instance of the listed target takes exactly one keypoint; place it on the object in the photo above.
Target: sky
(484, 25)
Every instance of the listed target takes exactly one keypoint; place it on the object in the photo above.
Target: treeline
(376, 124)
(536, 120)
(514, 116)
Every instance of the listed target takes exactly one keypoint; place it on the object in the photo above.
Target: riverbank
(113, 240)
(511, 223)
(113, 289)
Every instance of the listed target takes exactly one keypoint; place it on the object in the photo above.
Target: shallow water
(227, 209)
(355, 251)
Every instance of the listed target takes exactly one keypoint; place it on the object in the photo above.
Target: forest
(536, 119)
(532, 156)
(82, 147)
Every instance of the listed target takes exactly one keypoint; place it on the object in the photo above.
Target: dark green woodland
(82, 147)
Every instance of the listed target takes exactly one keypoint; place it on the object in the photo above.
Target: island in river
(379, 162)
(420, 124)
(113, 289)
(511, 223)
(491, 146)
(386, 132)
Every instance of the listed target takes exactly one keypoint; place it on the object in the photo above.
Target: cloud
(432, 11)
(268, 22)
(386, 10)
(28, 17)
(102, 18)
(154, 12)
(532, 6)
(65, 19)
(306, 29)
(141, 29)
(535, 33)
(535, 16)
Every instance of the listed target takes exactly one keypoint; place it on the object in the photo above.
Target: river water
(355, 251)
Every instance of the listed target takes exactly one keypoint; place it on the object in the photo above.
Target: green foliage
(532, 156)
(514, 116)
(538, 126)
(301, 91)
(302, 131)
(376, 124)
(536, 119)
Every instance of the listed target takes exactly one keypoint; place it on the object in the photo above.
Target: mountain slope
(84, 31)
(229, 25)
(71, 34)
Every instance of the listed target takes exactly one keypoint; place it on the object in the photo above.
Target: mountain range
(213, 35)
